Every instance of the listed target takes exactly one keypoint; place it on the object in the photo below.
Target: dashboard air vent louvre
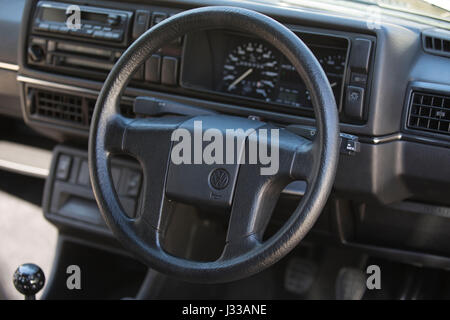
(436, 42)
(67, 108)
(429, 112)
(59, 106)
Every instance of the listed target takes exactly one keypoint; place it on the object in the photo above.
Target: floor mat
(25, 236)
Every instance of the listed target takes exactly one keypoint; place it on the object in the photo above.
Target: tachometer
(250, 70)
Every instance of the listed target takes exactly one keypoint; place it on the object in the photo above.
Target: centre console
(68, 197)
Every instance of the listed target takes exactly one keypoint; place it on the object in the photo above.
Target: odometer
(250, 70)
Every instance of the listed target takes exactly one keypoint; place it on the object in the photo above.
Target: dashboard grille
(437, 42)
(429, 112)
(67, 108)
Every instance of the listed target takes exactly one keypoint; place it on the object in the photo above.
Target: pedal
(299, 275)
(350, 284)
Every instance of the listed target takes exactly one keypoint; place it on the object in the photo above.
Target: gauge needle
(242, 77)
(333, 84)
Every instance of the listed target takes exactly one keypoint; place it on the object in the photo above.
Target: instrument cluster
(250, 68)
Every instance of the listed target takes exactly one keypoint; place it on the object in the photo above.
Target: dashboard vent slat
(59, 106)
(436, 42)
(429, 112)
(66, 108)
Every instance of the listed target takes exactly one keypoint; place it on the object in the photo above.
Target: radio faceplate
(96, 24)
(85, 60)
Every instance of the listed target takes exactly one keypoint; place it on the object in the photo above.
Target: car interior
(94, 95)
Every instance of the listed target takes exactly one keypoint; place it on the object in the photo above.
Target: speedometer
(250, 70)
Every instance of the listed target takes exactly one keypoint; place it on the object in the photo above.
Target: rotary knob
(29, 279)
(36, 53)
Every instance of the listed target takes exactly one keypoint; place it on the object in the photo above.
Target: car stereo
(102, 24)
(90, 47)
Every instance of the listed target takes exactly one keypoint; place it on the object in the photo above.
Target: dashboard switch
(83, 174)
(141, 21)
(158, 17)
(63, 168)
(360, 55)
(358, 79)
(350, 144)
(153, 69)
(169, 71)
(354, 102)
(114, 19)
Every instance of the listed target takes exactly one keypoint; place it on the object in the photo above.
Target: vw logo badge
(219, 178)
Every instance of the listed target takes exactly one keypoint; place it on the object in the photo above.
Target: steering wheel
(249, 196)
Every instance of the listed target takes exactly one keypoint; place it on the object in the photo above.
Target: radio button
(53, 28)
(99, 35)
(117, 36)
(88, 33)
(108, 35)
(63, 29)
(114, 19)
(42, 27)
(51, 45)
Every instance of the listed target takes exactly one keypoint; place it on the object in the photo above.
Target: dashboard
(391, 85)
(217, 64)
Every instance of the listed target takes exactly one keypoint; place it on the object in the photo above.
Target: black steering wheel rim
(305, 215)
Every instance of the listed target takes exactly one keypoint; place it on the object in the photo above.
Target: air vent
(437, 42)
(60, 107)
(67, 108)
(429, 112)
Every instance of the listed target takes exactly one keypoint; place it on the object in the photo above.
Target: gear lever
(28, 280)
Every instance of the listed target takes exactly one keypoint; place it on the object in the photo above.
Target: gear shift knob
(28, 280)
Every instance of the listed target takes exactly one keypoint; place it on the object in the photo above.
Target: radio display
(53, 14)
(59, 15)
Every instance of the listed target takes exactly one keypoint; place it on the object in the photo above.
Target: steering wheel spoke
(254, 201)
(306, 155)
(148, 140)
(114, 132)
(154, 210)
